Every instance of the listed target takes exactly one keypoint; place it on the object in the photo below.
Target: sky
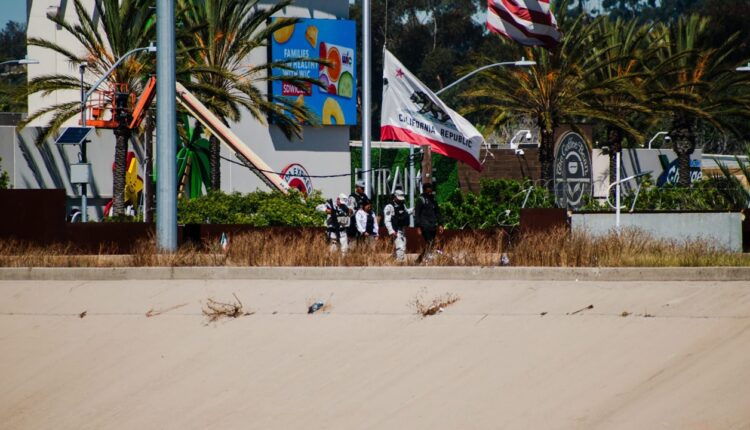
(12, 10)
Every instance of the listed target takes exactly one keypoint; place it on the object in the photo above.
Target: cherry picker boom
(198, 110)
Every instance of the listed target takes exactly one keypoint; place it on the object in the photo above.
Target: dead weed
(216, 310)
(427, 308)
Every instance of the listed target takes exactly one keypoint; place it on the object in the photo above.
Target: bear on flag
(528, 22)
(412, 113)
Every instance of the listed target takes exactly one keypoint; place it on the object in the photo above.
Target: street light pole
(166, 130)
(84, 98)
(21, 61)
(523, 62)
(366, 96)
(661, 133)
(84, 160)
(150, 48)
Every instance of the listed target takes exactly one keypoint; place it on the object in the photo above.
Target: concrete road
(508, 354)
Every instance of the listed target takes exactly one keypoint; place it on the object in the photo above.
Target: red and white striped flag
(528, 22)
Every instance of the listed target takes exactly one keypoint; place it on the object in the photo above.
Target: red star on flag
(399, 73)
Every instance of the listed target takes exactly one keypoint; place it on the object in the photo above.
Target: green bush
(4, 179)
(498, 203)
(258, 208)
(123, 218)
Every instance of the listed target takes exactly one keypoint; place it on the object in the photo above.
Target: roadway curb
(380, 273)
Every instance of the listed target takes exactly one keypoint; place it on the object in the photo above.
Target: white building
(322, 151)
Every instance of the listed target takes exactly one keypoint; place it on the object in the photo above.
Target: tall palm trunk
(122, 135)
(547, 155)
(683, 139)
(214, 158)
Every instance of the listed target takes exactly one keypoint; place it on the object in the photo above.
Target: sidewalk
(508, 354)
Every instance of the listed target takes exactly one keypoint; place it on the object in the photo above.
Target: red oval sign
(297, 177)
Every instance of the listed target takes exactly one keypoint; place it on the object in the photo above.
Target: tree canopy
(12, 47)
(440, 40)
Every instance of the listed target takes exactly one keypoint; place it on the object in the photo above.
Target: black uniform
(338, 220)
(400, 218)
(428, 217)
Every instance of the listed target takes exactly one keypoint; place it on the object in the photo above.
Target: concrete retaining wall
(603, 274)
(722, 229)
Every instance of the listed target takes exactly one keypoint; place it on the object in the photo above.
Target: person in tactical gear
(337, 222)
(396, 220)
(428, 219)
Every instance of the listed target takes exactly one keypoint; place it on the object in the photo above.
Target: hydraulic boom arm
(214, 124)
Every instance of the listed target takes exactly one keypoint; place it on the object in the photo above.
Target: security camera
(519, 152)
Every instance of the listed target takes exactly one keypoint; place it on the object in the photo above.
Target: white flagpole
(617, 191)
(412, 184)
(366, 96)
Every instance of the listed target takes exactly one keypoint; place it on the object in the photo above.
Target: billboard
(335, 103)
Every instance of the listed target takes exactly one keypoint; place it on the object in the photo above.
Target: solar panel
(73, 135)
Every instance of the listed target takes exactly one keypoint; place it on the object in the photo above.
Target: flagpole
(366, 96)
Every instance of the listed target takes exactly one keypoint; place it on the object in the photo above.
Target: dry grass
(20, 254)
(312, 249)
(558, 248)
(630, 248)
(427, 308)
(145, 254)
(468, 250)
(305, 249)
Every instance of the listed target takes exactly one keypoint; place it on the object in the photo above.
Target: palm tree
(121, 27)
(730, 186)
(224, 34)
(565, 86)
(626, 48)
(695, 85)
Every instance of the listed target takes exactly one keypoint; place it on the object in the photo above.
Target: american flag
(528, 22)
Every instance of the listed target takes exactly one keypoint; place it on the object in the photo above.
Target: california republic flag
(412, 113)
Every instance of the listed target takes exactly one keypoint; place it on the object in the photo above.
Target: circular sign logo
(297, 177)
(572, 171)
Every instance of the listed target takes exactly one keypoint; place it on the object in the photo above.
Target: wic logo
(347, 58)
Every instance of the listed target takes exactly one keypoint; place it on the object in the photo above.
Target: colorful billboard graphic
(335, 103)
